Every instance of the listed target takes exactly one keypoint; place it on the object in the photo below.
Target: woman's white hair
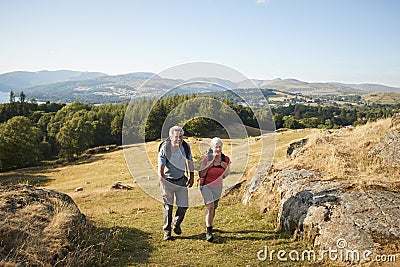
(215, 141)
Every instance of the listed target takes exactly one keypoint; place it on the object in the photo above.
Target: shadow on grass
(34, 175)
(221, 236)
(125, 246)
(85, 159)
(16, 178)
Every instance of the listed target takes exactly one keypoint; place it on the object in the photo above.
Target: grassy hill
(20, 80)
(342, 154)
(93, 87)
(127, 224)
(382, 98)
(131, 220)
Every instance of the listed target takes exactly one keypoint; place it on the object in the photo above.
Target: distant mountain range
(25, 79)
(97, 87)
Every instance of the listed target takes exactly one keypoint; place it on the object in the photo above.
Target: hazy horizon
(287, 78)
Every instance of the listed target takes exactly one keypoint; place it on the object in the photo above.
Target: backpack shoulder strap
(160, 145)
(223, 158)
(167, 143)
(163, 142)
(186, 148)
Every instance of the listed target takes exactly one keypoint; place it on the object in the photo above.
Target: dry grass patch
(382, 98)
(42, 228)
(342, 154)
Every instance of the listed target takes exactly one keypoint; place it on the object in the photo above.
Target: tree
(155, 121)
(19, 143)
(312, 122)
(22, 104)
(22, 97)
(329, 124)
(12, 97)
(278, 119)
(291, 123)
(199, 126)
(63, 115)
(12, 103)
(116, 129)
(74, 137)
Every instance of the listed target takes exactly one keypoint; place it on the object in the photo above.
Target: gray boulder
(338, 215)
(255, 183)
(296, 148)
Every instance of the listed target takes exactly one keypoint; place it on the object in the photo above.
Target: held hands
(190, 182)
(165, 193)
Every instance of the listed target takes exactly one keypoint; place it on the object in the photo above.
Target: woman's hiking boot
(177, 229)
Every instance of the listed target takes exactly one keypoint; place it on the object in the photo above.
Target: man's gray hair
(215, 140)
(175, 129)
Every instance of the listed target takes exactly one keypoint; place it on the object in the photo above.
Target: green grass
(127, 225)
(240, 233)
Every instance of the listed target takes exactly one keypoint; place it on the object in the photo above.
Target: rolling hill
(19, 80)
(95, 87)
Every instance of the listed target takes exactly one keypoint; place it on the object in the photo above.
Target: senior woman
(214, 168)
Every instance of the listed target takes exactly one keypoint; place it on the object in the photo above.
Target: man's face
(176, 138)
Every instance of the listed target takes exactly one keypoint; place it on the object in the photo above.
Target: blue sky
(353, 41)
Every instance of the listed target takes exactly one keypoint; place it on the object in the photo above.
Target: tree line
(303, 116)
(32, 132)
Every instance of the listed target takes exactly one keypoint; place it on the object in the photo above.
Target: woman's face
(217, 149)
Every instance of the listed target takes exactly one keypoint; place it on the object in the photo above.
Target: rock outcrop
(296, 148)
(337, 214)
(119, 186)
(387, 151)
(255, 183)
(395, 121)
(38, 227)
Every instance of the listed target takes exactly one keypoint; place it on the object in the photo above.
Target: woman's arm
(227, 171)
(205, 166)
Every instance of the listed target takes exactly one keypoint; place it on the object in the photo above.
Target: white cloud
(261, 2)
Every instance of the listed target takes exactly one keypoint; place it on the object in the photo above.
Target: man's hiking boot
(177, 229)
(167, 236)
(209, 235)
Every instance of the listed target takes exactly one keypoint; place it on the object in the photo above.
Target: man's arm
(161, 167)
(161, 175)
(164, 190)
(191, 173)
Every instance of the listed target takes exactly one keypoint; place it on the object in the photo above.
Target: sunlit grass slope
(135, 218)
